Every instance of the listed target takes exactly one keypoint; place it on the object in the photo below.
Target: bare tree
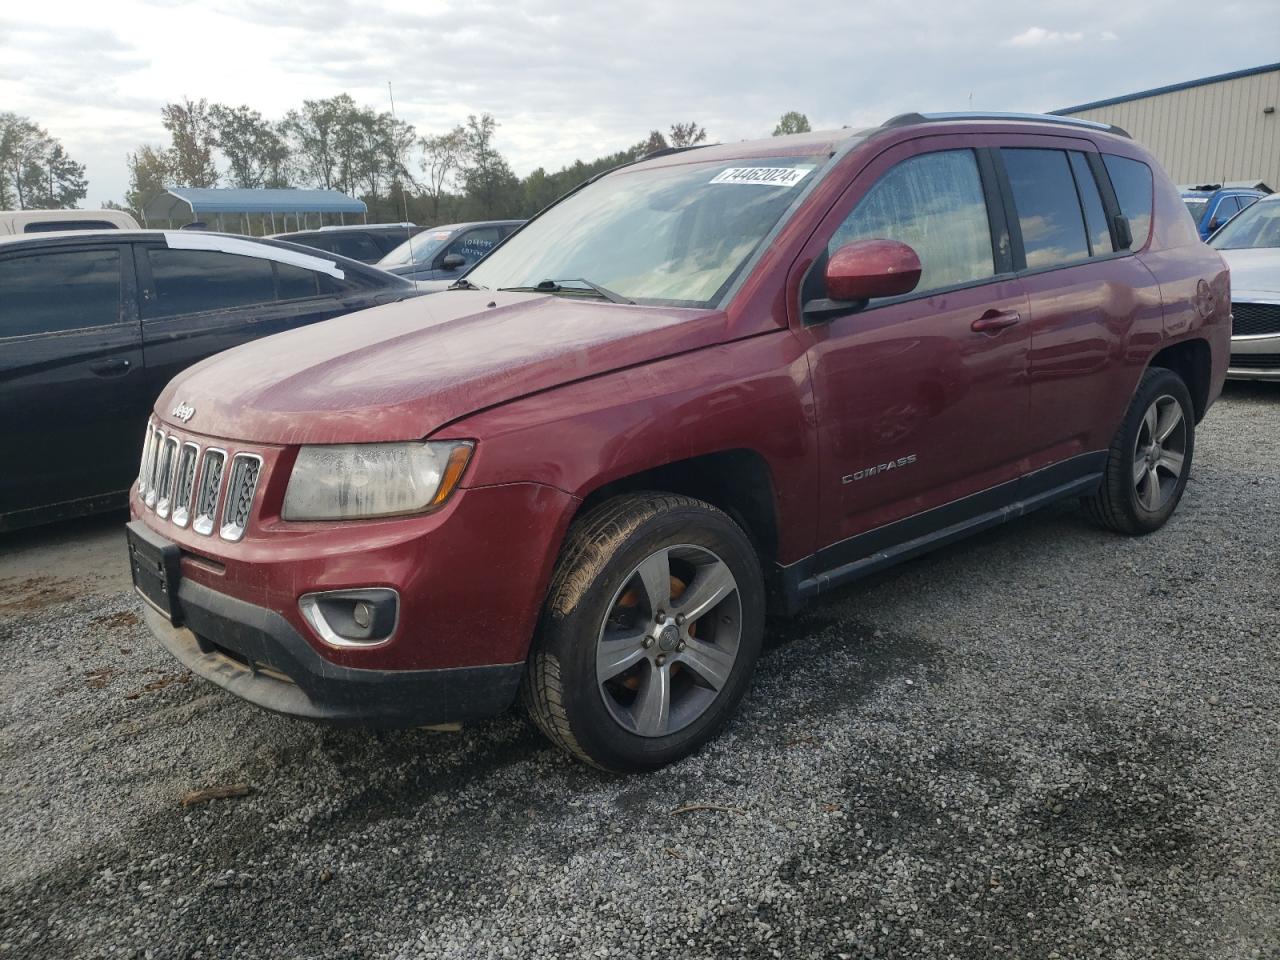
(442, 158)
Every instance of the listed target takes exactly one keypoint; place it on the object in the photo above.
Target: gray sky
(570, 79)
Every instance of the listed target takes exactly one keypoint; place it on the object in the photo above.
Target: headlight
(351, 481)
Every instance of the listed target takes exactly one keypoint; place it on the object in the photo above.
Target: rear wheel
(1150, 457)
(650, 632)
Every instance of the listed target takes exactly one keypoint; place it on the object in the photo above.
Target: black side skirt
(870, 552)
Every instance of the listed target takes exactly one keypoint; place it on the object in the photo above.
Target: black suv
(367, 243)
(93, 324)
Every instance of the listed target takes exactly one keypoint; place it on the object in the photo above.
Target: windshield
(671, 235)
(1258, 225)
(417, 249)
(1196, 207)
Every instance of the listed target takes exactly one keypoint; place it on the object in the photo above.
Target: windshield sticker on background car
(762, 176)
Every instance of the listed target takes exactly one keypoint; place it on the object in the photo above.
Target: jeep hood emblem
(184, 412)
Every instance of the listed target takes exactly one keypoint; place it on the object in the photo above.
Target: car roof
(347, 228)
(832, 141)
(266, 248)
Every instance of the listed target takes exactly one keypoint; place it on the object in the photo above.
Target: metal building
(1219, 129)
(179, 205)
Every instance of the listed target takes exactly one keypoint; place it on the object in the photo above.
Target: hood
(1255, 270)
(401, 371)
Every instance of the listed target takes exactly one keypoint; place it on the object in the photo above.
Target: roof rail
(910, 119)
(665, 151)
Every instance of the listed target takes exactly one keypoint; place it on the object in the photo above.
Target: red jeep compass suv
(712, 381)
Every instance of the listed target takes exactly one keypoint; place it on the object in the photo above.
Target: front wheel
(1150, 457)
(651, 629)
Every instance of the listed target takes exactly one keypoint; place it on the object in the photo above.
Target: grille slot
(164, 481)
(147, 441)
(243, 482)
(206, 503)
(153, 461)
(184, 483)
(1255, 319)
(1258, 361)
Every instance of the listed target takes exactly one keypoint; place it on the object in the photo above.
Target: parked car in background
(1213, 204)
(444, 253)
(711, 377)
(93, 325)
(1250, 244)
(367, 243)
(47, 221)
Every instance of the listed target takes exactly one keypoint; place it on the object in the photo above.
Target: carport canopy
(184, 204)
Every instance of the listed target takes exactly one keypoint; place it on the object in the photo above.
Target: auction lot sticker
(763, 176)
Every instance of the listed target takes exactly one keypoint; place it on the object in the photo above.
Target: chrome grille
(207, 494)
(243, 482)
(164, 478)
(184, 483)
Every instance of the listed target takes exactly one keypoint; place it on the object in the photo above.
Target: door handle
(111, 367)
(993, 321)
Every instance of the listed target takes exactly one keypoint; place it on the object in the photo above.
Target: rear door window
(1134, 187)
(1048, 207)
(934, 203)
(57, 291)
(191, 281)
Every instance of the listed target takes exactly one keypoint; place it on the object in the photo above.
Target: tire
(600, 616)
(1128, 500)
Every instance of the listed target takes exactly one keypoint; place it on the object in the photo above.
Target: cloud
(571, 79)
(1040, 37)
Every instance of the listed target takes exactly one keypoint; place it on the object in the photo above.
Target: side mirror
(865, 270)
(453, 261)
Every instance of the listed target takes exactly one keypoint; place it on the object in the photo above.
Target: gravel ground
(1045, 742)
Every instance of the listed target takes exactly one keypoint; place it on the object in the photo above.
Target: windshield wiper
(462, 283)
(557, 286)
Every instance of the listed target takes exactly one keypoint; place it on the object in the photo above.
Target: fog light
(352, 618)
(363, 615)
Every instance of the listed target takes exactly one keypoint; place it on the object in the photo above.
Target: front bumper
(1255, 358)
(257, 655)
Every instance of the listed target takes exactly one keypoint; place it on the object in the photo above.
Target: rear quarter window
(1133, 185)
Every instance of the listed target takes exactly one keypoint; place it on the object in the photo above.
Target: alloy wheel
(1159, 454)
(669, 641)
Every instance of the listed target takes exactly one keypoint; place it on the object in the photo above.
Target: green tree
(792, 122)
(490, 184)
(150, 172)
(35, 170)
(655, 142)
(193, 135)
(54, 181)
(255, 151)
(313, 132)
(687, 134)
